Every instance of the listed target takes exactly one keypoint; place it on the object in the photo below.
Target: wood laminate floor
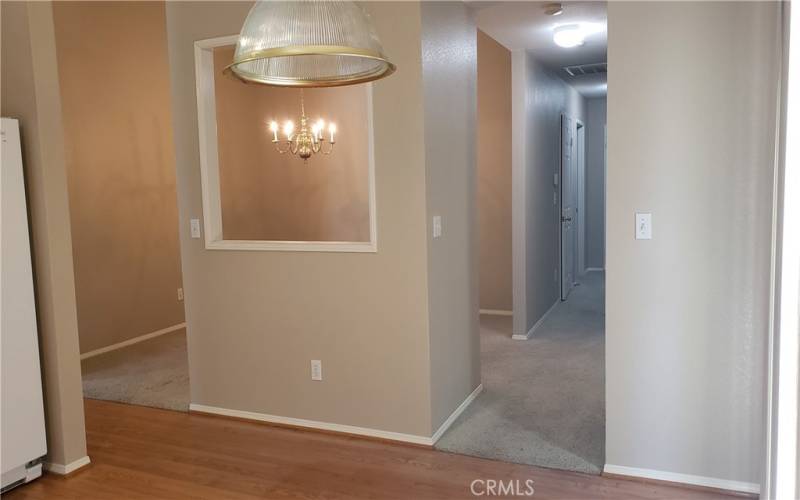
(140, 452)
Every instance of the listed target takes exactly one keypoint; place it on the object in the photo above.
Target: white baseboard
(313, 424)
(453, 416)
(530, 333)
(69, 468)
(594, 269)
(674, 477)
(497, 312)
(345, 429)
(132, 341)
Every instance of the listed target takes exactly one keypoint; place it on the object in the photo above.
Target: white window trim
(209, 168)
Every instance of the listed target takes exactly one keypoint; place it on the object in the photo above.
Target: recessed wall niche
(255, 198)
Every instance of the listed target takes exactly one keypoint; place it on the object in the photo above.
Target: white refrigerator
(22, 437)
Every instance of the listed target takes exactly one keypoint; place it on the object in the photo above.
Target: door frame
(572, 124)
(580, 136)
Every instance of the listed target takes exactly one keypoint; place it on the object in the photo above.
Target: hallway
(543, 401)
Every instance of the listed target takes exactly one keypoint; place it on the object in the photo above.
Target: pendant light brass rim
(386, 69)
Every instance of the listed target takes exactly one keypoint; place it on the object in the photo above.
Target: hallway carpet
(151, 373)
(543, 401)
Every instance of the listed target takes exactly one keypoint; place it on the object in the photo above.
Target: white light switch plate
(195, 226)
(644, 226)
(437, 226)
(316, 369)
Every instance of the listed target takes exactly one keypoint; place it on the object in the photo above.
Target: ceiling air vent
(586, 69)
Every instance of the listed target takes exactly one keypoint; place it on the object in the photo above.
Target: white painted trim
(209, 168)
(538, 323)
(313, 424)
(135, 340)
(458, 411)
(674, 477)
(594, 269)
(497, 312)
(69, 468)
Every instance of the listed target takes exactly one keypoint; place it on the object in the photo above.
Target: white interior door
(569, 198)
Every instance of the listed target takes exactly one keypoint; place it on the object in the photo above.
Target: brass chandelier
(308, 43)
(308, 140)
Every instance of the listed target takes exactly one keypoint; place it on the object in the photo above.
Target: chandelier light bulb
(288, 128)
(273, 127)
(332, 130)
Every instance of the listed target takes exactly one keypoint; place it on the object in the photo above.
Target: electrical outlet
(555, 198)
(555, 275)
(180, 293)
(316, 369)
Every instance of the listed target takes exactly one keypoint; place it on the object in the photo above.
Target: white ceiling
(525, 26)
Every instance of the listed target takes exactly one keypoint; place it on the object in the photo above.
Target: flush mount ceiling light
(574, 35)
(568, 36)
(308, 44)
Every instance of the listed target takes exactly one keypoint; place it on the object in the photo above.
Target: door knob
(566, 219)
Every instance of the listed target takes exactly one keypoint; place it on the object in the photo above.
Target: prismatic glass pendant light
(309, 44)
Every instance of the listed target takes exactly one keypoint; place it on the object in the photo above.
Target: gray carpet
(543, 401)
(151, 373)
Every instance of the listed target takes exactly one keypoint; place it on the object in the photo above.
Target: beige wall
(114, 79)
(449, 72)
(494, 173)
(29, 70)
(687, 312)
(256, 319)
(269, 196)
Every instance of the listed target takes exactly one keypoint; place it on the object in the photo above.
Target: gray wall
(595, 184)
(543, 97)
(687, 312)
(449, 72)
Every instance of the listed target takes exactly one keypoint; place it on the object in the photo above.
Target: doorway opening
(123, 203)
(541, 204)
